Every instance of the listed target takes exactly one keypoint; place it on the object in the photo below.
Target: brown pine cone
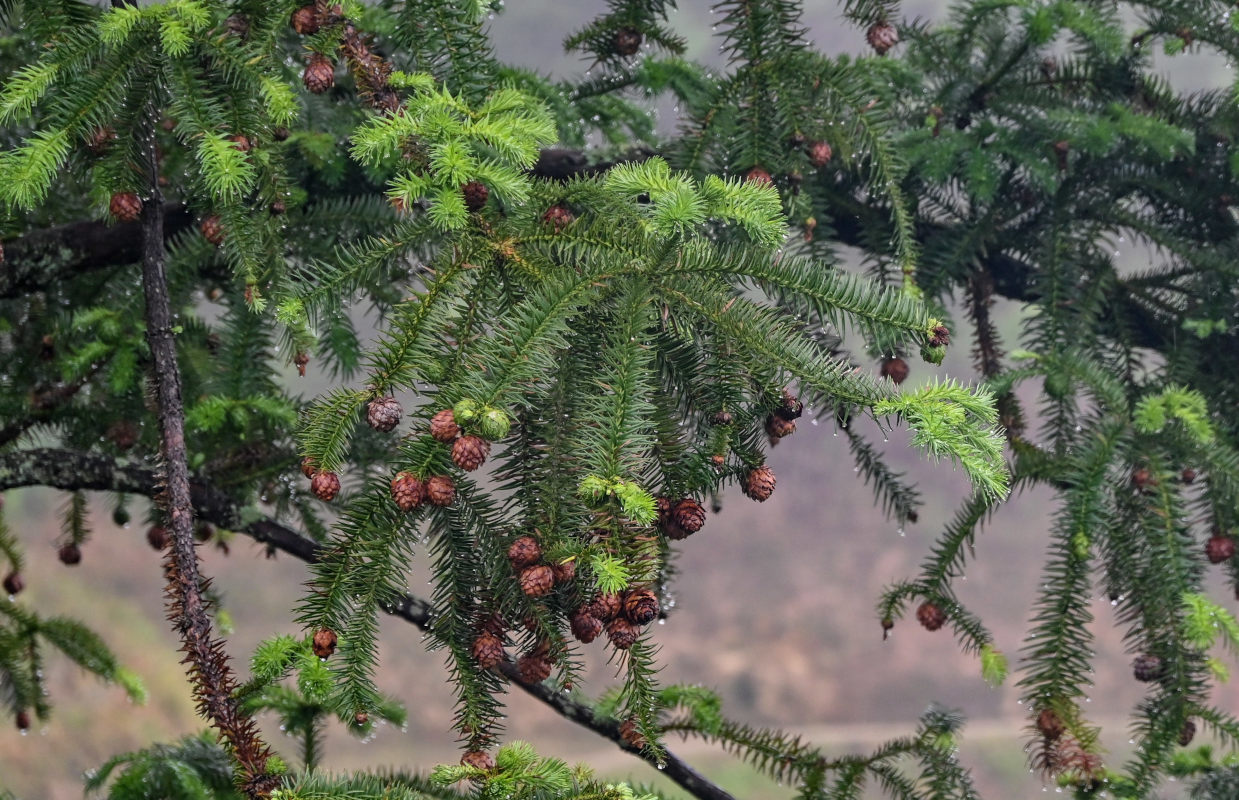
(585, 626)
(820, 154)
(1050, 724)
(882, 36)
(1187, 734)
(238, 25)
(940, 336)
(640, 606)
(475, 195)
(930, 616)
(300, 359)
(1219, 548)
(605, 607)
(622, 633)
(534, 666)
(325, 486)
(673, 531)
(443, 426)
(23, 720)
(1188, 475)
(320, 74)
(1062, 151)
(564, 571)
(537, 581)
(324, 642)
(125, 206)
(308, 467)
(478, 759)
(777, 427)
(487, 650)
(470, 452)
(69, 554)
(124, 434)
(1147, 668)
(242, 142)
(386, 99)
(759, 176)
(759, 483)
(494, 623)
(305, 21)
(384, 414)
(524, 552)
(212, 230)
(408, 491)
(721, 418)
(790, 407)
(440, 490)
(157, 537)
(688, 515)
(558, 217)
(631, 735)
(13, 584)
(627, 41)
(896, 369)
(101, 139)
(1143, 478)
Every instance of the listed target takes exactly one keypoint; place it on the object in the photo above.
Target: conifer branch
(74, 470)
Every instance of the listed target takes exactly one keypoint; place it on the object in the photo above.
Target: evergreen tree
(586, 329)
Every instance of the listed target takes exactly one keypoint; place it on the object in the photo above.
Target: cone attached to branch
(408, 491)
(537, 581)
(384, 414)
(524, 552)
(443, 426)
(487, 650)
(325, 486)
(759, 483)
(640, 606)
(470, 452)
(440, 490)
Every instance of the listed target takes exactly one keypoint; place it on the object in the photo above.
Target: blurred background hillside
(774, 606)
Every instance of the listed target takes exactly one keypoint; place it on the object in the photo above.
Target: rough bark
(209, 673)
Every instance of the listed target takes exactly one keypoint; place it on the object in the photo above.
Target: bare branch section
(209, 673)
(45, 258)
(73, 470)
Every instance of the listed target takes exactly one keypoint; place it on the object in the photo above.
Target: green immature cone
(466, 411)
(494, 424)
(933, 354)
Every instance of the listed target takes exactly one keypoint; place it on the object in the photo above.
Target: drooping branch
(209, 673)
(73, 470)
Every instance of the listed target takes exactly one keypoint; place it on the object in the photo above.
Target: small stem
(309, 748)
